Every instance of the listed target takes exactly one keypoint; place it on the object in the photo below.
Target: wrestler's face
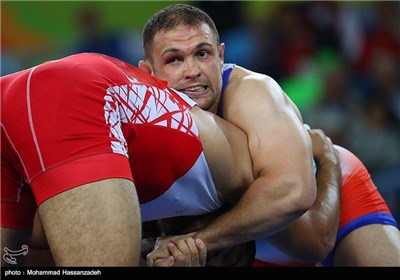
(191, 61)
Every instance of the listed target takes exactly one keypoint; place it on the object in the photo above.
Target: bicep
(277, 139)
(281, 146)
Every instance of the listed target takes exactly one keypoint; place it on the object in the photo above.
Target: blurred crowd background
(339, 61)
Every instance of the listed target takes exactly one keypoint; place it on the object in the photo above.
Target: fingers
(178, 252)
(184, 252)
(188, 252)
(323, 148)
(320, 142)
(165, 262)
(319, 135)
(202, 252)
(160, 251)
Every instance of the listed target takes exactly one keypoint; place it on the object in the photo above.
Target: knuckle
(180, 258)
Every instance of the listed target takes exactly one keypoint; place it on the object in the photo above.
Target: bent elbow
(305, 197)
(308, 199)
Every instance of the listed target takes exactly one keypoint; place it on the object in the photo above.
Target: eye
(203, 54)
(171, 60)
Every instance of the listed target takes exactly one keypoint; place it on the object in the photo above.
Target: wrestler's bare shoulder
(242, 78)
(262, 89)
(244, 81)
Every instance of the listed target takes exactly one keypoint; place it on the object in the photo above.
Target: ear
(145, 66)
(221, 52)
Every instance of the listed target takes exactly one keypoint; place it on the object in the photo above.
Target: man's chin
(202, 102)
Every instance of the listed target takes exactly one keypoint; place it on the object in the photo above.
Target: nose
(191, 69)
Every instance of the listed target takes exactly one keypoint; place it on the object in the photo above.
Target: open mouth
(195, 91)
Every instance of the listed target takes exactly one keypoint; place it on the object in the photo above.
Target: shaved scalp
(171, 17)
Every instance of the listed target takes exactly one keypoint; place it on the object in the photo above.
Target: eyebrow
(170, 50)
(175, 50)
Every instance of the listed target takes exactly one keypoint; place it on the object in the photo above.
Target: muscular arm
(282, 163)
(97, 224)
(320, 223)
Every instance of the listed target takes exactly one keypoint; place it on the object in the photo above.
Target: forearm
(320, 223)
(261, 212)
(323, 217)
